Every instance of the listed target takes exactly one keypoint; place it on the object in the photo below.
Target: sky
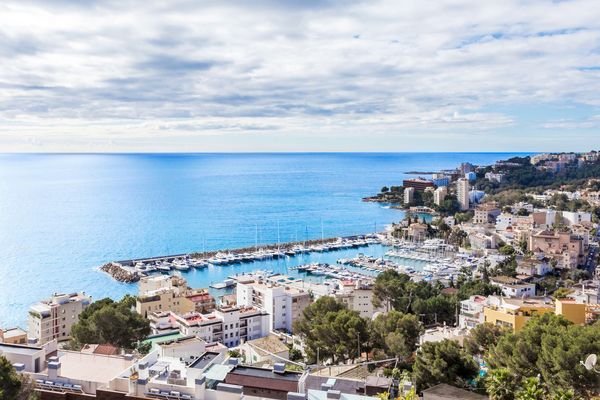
(299, 75)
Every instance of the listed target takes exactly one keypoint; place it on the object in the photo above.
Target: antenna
(590, 363)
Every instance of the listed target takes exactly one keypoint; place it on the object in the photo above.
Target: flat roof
(265, 373)
(91, 367)
(19, 349)
(444, 391)
(204, 360)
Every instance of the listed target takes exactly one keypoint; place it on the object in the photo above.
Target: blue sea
(63, 215)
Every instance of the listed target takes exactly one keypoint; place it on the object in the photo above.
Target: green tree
(443, 362)
(551, 347)
(500, 384)
(109, 322)
(482, 338)
(332, 330)
(15, 386)
(395, 333)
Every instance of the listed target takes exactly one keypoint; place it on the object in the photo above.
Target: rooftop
(444, 391)
(92, 367)
(270, 343)
(204, 360)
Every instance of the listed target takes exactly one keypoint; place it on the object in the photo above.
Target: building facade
(53, 318)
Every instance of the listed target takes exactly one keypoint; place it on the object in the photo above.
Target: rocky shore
(120, 274)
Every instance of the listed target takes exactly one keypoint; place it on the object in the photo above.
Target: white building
(439, 195)
(471, 312)
(512, 287)
(284, 304)
(576, 217)
(358, 297)
(230, 326)
(409, 194)
(493, 177)
(462, 193)
(53, 318)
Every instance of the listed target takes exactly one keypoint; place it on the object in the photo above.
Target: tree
(395, 333)
(549, 346)
(500, 384)
(332, 330)
(507, 250)
(482, 338)
(15, 386)
(443, 362)
(109, 322)
(385, 189)
(10, 383)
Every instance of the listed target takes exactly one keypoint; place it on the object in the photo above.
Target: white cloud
(117, 76)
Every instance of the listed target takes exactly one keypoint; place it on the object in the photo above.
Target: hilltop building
(409, 194)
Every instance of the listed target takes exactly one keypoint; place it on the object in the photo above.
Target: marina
(350, 258)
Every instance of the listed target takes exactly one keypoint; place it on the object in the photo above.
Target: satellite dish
(590, 362)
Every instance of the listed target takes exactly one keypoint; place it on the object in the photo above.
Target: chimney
(53, 370)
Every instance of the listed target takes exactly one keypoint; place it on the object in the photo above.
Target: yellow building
(163, 293)
(514, 313)
(13, 336)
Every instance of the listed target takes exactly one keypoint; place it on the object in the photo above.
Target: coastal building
(409, 194)
(513, 313)
(440, 180)
(13, 336)
(471, 312)
(462, 193)
(494, 177)
(576, 217)
(53, 318)
(563, 247)
(471, 176)
(268, 350)
(466, 167)
(512, 287)
(417, 231)
(417, 184)
(171, 293)
(230, 326)
(358, 296)
(439, 195)
(283, 304)
(486, 214)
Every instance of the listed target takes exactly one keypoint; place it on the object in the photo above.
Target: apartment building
(564, 247)
(514, 313)
(471, 312)
(440, 194)
(13, 336)
(486, 214)
(230, 325)
(284, 304)
(53, 318)
(171, 293)
(409, 194)
(358, 297)
(462, 193)
(512, 287)
(417, 183)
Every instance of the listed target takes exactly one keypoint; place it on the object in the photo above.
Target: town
(489, 288)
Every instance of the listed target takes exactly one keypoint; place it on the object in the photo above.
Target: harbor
(350, 258)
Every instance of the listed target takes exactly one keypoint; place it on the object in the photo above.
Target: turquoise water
(61, 215)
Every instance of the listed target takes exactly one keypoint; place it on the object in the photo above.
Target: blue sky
(313, 75)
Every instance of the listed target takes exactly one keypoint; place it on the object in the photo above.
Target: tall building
(53, 318)
(471, 176)
(284, 304)
(439, 195)
(462, 193)
(409, 194)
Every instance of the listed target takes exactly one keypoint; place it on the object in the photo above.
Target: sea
(64, 215)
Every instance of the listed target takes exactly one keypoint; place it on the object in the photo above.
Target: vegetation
(15, 386)
(443, 362)
(396, 334)
(332, 331)
(109, 322)
(550, 347)
(482, 338)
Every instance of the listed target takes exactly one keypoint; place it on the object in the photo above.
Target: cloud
(108, 71)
